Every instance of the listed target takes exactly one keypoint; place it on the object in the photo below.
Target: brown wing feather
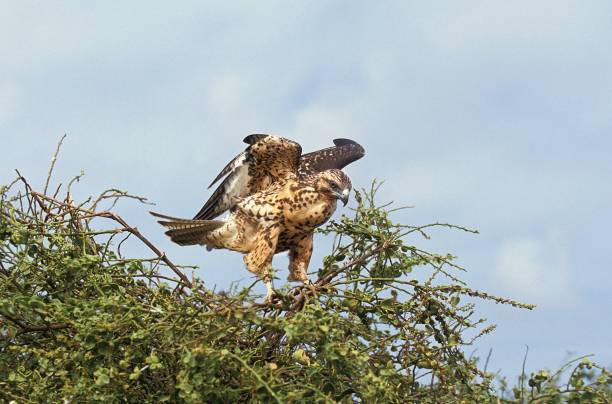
(234, 186)
(344, 152)
(229, 167)
(267, 159)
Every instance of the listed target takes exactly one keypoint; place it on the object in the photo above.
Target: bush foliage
(385, 321)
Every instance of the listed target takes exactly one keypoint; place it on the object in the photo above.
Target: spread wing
(344, 152)
(267, 159)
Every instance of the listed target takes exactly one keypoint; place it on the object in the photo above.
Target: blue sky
(490, 114)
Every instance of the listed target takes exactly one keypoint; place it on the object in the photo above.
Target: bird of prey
(276, 198)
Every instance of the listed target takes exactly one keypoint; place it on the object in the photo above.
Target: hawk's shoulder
(268, 159)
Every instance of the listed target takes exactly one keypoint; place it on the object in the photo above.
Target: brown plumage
(276, 199)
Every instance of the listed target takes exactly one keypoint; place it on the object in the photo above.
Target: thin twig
(523, 375)
(257, 376)
(306, 291)
(25, 327)
(132, 230)
(142, 238)
(53, 160)
(486, 365)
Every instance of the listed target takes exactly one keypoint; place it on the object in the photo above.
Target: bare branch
(53, 160)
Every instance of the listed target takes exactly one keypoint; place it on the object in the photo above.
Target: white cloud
(535, 270)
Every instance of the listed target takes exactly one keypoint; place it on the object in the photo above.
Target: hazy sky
(490, 114)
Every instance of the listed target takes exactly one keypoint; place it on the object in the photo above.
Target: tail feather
(188, 231)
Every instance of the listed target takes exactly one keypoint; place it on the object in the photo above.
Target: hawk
(276, 198)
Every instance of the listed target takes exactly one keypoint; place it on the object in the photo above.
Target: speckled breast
(303, 214)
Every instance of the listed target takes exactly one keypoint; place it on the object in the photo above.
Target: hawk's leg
(259, 259)
(299, 258)
(270, 289)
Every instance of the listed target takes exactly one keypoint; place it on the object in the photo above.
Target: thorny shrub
(385, 321)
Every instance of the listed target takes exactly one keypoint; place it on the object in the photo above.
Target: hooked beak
(344, 196)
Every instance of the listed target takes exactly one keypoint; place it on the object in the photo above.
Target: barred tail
(187, 231)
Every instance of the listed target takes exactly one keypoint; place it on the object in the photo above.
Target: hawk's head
(335, 184)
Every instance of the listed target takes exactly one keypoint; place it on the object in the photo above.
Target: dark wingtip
(348, 142)
(254, 138)
(344, 142)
